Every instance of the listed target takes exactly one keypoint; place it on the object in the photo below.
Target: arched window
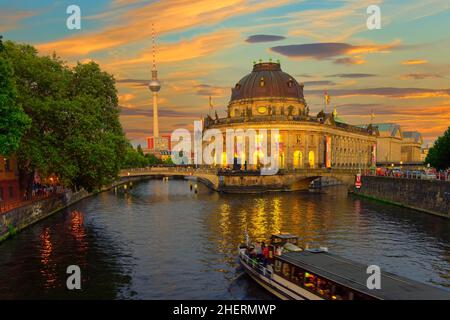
(290, 83)
(311, 159)
(298, 159)
(261, 82)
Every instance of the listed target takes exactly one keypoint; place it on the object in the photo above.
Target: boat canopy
(282, 238)
(354, 275)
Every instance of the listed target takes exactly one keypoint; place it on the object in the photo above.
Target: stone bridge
(247, 181)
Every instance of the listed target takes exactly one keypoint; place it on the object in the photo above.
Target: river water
(163, 241)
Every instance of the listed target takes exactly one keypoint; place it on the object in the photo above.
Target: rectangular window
(286, 271)
(310, 281)
(7, 165)
(11, 192)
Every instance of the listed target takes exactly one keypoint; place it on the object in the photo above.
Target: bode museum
(268, 98)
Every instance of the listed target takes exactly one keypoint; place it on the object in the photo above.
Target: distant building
(160, 146)
(411, 147)
(9, 179)
(424, 153)
(395, 146)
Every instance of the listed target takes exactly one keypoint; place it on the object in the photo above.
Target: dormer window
(238, 86)
(261, 82)
(290, 83)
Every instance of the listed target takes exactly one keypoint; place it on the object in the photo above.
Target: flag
(327, 98)
(210, 102)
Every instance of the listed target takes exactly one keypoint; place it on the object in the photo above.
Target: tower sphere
(154, 85)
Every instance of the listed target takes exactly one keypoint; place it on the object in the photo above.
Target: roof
(389, 129)
(284, 236)
(413, 135)
(353, 275)
(267, 80)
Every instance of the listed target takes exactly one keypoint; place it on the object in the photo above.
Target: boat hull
(274, 284)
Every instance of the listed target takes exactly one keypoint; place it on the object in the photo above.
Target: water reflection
(161, 241)
(48, 267)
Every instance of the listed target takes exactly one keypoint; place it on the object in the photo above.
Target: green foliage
(75, 131)
(12, 231)
(439, 155)
(134, 159)
(13, 121)
(168, 161)
(139, 150)
(151, 159)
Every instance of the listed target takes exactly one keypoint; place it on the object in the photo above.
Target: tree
(139, 150)
(75, 131)
(13, 121)
(439, 155)
(134, 159)
(152, 159)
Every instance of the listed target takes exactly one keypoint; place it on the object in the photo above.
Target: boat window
(324, 288)
(278, 266)
(286, 270)
(310, 281)
(338, 292)
(294, 274)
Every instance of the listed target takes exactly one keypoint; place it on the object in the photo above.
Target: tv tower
(154, 87)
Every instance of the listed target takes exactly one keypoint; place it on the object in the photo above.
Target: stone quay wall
(19, 218)
(431, 196)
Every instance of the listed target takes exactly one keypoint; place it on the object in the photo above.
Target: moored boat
(292, 273)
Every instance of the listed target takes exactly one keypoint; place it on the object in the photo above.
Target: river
(163, 241)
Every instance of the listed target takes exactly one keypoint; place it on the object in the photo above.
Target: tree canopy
(439, 155)
(13, 120)
(75, 131)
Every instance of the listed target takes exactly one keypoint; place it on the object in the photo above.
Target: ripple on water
(162, 241)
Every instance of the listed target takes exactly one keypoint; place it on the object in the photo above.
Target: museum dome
(267, 80)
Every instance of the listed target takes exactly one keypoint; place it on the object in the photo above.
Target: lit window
(261, 82)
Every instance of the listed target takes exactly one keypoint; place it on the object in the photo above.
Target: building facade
(268, 98)
(411, 147)
(9, 179)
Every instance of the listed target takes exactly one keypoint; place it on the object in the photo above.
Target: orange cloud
(414, 62)
(11, 19)
(186, 49)
(135, 24)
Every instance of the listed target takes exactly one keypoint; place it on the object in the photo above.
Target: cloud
(263, 38)
(419, 76)
(327, 50)
(349, 60)
(10, 19)
(186, 49)
(214, 91)
(414, 62)
(133, 25)
(352, 75)
(392, 92)
(148, 112)
(319, 83)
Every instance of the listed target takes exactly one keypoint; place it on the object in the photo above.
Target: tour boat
(316, 274)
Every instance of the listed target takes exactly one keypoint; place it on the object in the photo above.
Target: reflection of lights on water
(46, 246)
(77, 226)
(48, 269)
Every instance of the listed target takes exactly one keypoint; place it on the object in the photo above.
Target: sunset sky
(401, 72)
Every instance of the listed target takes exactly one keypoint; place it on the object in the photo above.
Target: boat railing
(255, 265)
